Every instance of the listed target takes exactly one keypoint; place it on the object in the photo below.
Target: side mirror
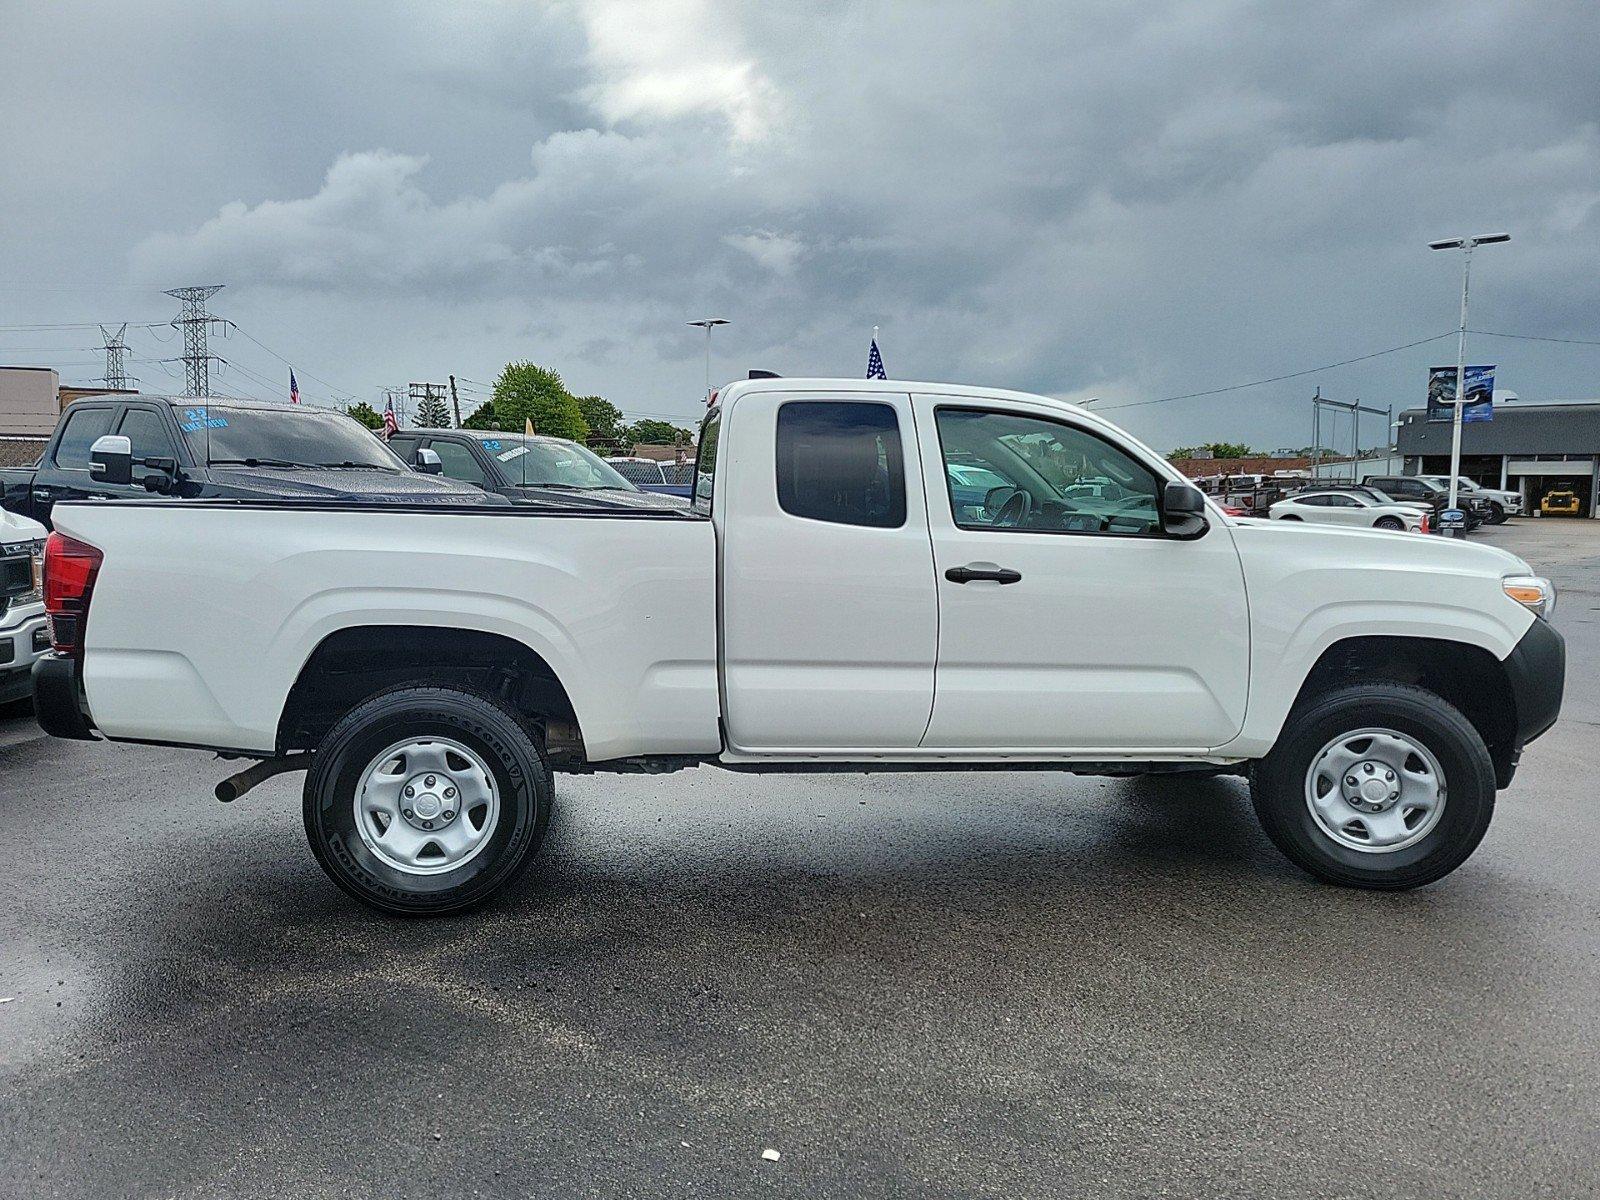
(996, 496)
(428, 463)
(111, 459)
(1183, 511)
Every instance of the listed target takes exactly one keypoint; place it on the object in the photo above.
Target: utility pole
(1466, 246)
(116, 364)
(455, 401)
(194, 322)
(429, 399)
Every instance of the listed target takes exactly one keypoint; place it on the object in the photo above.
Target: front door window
(1008, 471)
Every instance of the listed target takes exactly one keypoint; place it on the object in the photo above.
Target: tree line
(526, 392)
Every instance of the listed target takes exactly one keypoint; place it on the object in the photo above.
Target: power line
(1528, 337)
(1279, 378)
(338, 392)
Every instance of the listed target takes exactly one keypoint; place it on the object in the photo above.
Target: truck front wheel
(1379, 785)
(425, 800)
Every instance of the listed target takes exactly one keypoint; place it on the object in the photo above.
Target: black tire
(1277, 786)
(1388, 523)
(1497, 513)
(1290, 517)
(499, 736)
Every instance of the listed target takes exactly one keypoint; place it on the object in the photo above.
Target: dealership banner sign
(1442, 393)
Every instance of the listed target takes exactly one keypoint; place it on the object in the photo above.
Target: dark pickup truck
(222, 449)
(1413, 488)
(528, 469)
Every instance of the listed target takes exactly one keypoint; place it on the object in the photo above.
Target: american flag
(294, 389)
(875, 363)
(390, 425)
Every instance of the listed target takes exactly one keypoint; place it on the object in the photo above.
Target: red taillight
(70, 567)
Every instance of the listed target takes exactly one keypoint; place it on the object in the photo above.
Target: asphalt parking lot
(931, 985)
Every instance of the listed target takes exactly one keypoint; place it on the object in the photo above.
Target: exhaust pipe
(234, 786)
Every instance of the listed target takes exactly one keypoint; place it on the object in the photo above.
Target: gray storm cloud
(1084, 200)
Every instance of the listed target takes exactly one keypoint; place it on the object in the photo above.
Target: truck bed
(206, 611)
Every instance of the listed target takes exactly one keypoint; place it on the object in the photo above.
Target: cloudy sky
(1117, 200)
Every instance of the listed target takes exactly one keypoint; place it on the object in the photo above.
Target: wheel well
(351, 665)
(1468, 677)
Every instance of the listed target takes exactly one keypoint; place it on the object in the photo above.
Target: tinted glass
(1342, 502)
(146, 433)
(705, 467)
(638, 472)
(305, 437)
(1313, 501)
(82, 427)
(458, 462)
(841, 463)
(529, 462)
(405, 445)
(1055, 478)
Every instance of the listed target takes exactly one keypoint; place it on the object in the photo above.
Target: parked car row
(244, 449)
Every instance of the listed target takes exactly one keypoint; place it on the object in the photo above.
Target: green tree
(1218, 450)
(603, 418)
(658, 433)
(431, 413)
(366, 414)
(526, 392)
(482, 417)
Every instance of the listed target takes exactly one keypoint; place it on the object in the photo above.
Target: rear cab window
(842, 463)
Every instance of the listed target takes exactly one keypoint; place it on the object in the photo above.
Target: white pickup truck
(874, 576)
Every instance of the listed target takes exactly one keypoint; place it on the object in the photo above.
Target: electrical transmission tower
(194, 321)
(116, 363)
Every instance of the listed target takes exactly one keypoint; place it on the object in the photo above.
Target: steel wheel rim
(425, 806)
(1375, 790)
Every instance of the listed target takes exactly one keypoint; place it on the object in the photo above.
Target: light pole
(1466, 245)
(708, 324)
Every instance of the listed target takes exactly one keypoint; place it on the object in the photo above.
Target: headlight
(1533, 592)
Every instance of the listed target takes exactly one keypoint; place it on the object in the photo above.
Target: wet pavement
(924, 985)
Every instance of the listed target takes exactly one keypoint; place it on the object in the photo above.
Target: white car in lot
(1350, 508)
(840, 596)
(22, 625)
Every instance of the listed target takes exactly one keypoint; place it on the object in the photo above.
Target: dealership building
(1545, 451)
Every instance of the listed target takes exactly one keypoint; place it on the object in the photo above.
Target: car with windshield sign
(191, 449)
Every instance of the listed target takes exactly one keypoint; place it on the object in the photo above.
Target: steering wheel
(1014, 513)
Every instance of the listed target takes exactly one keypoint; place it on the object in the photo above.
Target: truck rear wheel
(425, 800)
(1379, 785)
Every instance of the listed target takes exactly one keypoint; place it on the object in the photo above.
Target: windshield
(275, 437)
(529, 462)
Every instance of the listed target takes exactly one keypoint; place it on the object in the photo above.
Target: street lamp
(1466, 245)
(708, 324)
